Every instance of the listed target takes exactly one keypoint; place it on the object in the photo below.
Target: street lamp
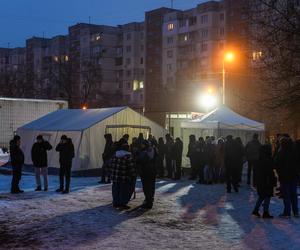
(228, 57)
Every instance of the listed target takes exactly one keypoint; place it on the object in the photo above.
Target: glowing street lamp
(228, 57)
(84, 107)
(208, 99)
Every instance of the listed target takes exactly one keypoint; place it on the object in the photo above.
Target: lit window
(135, 85)
(98, 37)
(256, 55)
(185, 38)
(141, 84)
(66, 58)
(170, 26)
(56, 58)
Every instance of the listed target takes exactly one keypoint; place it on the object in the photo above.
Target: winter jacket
(146, 162)
(161, 150)
(230, 159)
(177, 150)
(169, 149)
(192, 150)
(210, 152)
(122, 167)
(108, 152)
(252, 150)
(220, 156)
(39, 154)
(66, 152)
(16, 154)
(287, 165)
(265, 178)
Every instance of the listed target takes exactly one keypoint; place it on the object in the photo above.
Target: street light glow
(208, 101)
(84, 107)
(229, 57)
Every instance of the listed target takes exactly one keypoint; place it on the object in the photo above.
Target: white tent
(222, 122)
(86, 128)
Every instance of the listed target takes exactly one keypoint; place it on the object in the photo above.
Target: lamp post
(228, 57)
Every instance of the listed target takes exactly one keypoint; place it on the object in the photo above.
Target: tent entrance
(117, 131)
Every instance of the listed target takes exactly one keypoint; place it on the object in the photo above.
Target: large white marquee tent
(87, 129)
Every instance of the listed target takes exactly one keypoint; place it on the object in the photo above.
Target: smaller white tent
(86, 128)
(221, 122)
(224, 118)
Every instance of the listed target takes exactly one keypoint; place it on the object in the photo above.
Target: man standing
(146, 161)
(231, 164)
(40, 161)
(106, 157)
(17, 161)
(66, 154)
(177, 154)
(252, 155)
(168, 154)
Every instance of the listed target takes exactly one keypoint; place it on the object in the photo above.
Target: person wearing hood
(17, 161)
(146, 161)
(192, 154)
(123, 176)
(106, 157)
(66, 155)
(252, 155)
(40, 161)
(265, 181)
(177, 154)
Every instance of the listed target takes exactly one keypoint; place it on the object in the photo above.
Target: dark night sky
(21, 19)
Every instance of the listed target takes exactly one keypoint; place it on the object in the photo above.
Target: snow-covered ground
(4, 158)
(185, 216)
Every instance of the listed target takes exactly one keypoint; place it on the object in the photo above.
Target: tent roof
(224, 118)
(71, 119)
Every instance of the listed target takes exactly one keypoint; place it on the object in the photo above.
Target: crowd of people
(212, 161)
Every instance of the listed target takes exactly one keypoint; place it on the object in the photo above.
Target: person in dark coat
(192, 154)
(240, 153)
(177, 157)
(219, 162)
(287, 168)
(200, 149)
(66, 155)
(40, 161)
(122, 170)
(160, 157)
(252, 155)
(17, 161)
(146, 161)
(265, 181)
(107, 154)
(210, 154)
(168, 154)
(231, 165)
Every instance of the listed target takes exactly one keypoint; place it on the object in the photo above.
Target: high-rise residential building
(184, 57)
(132, 70)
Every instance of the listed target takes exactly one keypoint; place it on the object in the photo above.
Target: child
(265, 181)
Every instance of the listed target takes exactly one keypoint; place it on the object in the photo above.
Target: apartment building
(132, 70)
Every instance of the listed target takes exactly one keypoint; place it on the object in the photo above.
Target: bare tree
(275, 26)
